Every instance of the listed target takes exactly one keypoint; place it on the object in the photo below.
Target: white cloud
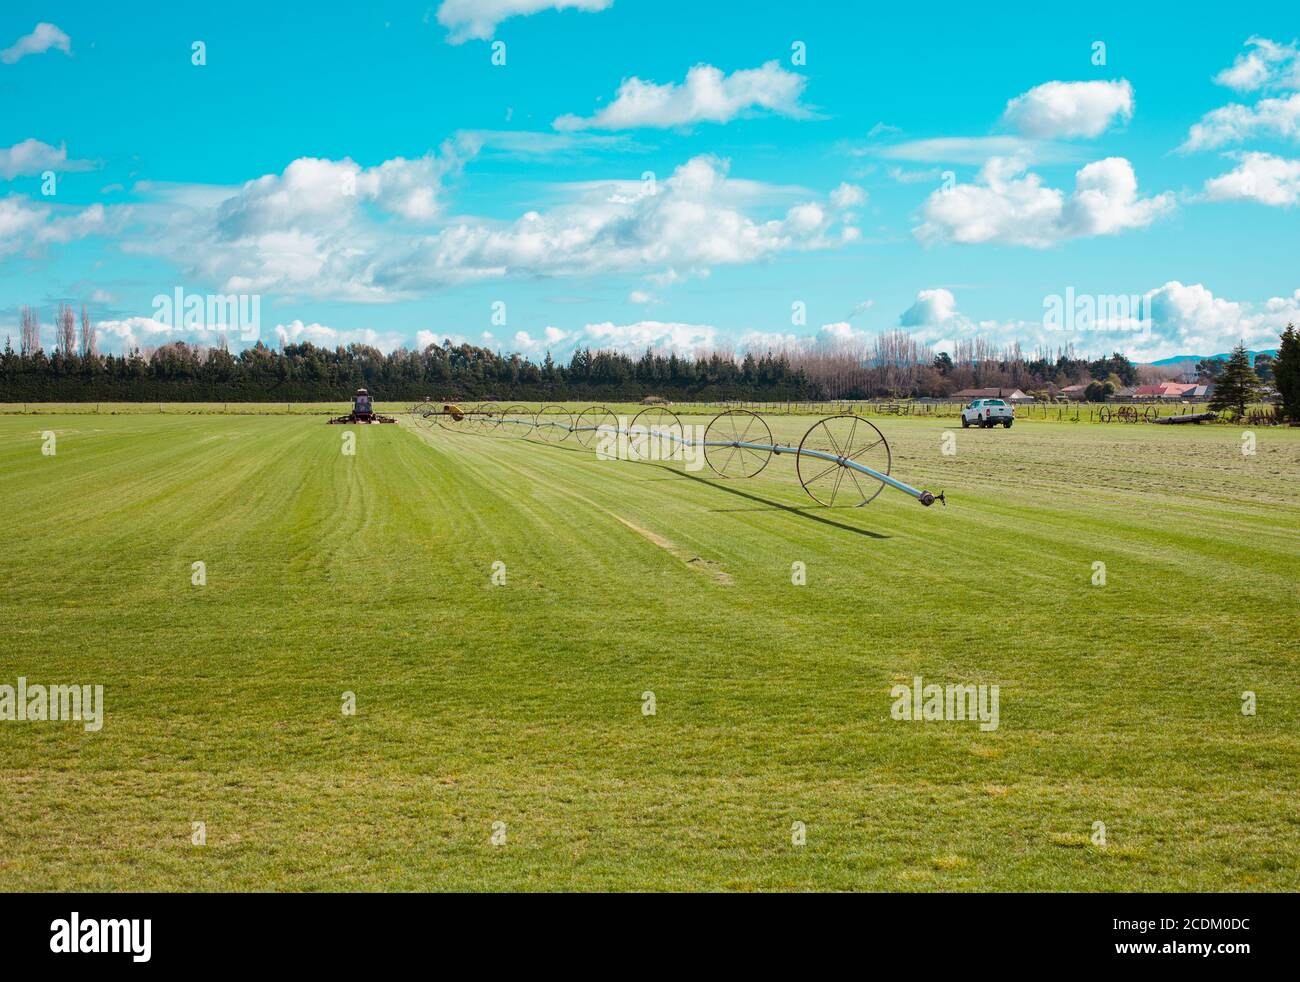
(1010, 206)
(660, 336)
(1266, 65)
(478, 19)
(1260, 177)
(929, 176)
(43, 37)
(1182, 319)
(296, 332)
(122, 336)
(315, 194)
(692, 222)
(26, 227)
(314, 229)
(932, 307)
(1190, 319)
(848, 196)
(707, 96)
(299, 234)
(1234, 122)
(32, 157)
(1070, 109)
(832, 337)
(973, 150)
(533, 145)
(132, 333)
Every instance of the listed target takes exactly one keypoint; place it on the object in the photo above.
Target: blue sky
(748, 175)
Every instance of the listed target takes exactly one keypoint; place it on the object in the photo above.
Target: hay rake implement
(841, 460)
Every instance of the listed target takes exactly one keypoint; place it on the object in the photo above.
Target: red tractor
(363, 411)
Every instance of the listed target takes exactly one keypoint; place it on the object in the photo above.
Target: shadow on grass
(770, 505)
(773, 505)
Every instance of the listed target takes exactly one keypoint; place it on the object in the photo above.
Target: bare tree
(30, 330)
(66, 326)
(89, 348)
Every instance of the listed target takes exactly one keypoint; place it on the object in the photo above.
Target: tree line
(180, 372)
(893, 365)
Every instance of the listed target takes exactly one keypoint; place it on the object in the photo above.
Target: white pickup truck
(988, 412)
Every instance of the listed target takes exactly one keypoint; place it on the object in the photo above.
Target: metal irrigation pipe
(842, 460)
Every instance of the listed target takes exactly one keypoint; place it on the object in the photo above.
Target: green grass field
(522, 704)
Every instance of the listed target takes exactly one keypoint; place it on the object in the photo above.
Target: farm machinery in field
(841, 460)
(363, 411)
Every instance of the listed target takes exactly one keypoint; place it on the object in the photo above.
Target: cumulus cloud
(27, 227)
(315, 193)
(632, 339)
(1011, 206)
(122, 336)
(1178, 319)
(477, 20)
(932, 307)
(1190, 319)
(692, 221)
(833, 337)
(296, 332)
(1260, 177)
(707, 96)
(1266, 64)
(43, 37)
(32, 157)
(313, 229)
(1070, 109)
(1234, 122)
(300, 234)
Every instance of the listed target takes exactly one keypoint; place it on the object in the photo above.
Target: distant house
(1074, 391)
(1010, 395)
(1172, 390)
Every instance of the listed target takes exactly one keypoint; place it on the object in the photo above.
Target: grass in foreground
(522, 704)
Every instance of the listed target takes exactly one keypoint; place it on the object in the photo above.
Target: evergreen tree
(1237, 385)
(1286, 373)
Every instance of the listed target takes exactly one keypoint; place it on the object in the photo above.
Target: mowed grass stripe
(523, 703)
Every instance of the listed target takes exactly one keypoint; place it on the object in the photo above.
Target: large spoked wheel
(486, 418)
(517, 421)
(844, 438)
(592, 424)
(723, 438)
(428, 415)
(655, 434)
(554, 423)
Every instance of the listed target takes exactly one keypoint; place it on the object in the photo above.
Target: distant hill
(1177, 359)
